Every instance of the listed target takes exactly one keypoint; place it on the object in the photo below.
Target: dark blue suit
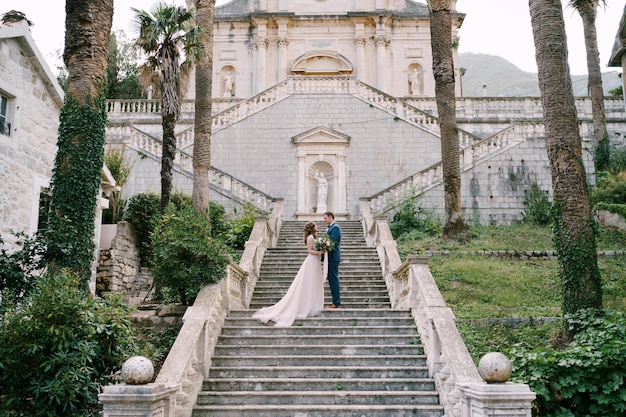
(334, 257)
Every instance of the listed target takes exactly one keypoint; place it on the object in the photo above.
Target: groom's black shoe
(333, 306)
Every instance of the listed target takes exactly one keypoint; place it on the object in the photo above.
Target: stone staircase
(362, 360)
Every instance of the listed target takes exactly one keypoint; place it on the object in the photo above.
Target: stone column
(341, 188)
(480, 399)
(261, 65)
(381, 44)
(281, 72)
(360, 58)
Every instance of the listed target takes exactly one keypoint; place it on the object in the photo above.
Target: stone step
(372, 361)
(297, 330)
(338, 397)
(249, 322)
(320, 384)
(320, 371)
(273, 294)
(350, 283)
(318, 340)
(305, 349)
(345, 305)
(340, 313)
(323, 410)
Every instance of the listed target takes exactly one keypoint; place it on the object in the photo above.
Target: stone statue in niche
(228, 85)
(322, 192)
(414, 82)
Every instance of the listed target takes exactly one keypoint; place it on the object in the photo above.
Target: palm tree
(80, 155)
(443, 70)
(203, 120)
(574, 229)
(588, 11)
(171, 43)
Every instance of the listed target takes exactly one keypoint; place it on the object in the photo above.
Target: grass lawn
(484, 287)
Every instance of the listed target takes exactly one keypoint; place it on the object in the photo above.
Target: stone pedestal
(150, 400)
(479, 399)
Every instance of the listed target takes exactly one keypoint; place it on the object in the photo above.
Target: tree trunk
(170, 109)
(443, 70)
(167, 159)
(588, 11)
(80, 154)
(574, 229)
(203, 119)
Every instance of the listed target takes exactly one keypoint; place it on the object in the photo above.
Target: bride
(305, 296)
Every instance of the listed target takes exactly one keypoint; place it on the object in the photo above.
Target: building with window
(30, 103)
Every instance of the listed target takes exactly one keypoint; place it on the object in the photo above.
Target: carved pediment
(321, 135)
(322, 63)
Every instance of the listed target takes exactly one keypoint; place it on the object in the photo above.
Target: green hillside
(503, 79)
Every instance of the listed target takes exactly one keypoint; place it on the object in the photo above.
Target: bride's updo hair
(309, 229)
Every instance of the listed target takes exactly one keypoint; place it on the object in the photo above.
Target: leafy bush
(143, 211)
(19, 269)
(217, 214)
(414, 219)
(610, 189)
(239, 228)
(185, 257)
(587, 377)
(58, 347)
(537, 206)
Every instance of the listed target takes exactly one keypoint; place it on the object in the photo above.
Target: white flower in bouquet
(324, 243)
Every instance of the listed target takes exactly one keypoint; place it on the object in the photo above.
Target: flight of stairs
(362, 360)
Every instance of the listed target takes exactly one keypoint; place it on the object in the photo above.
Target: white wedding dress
(305, 296)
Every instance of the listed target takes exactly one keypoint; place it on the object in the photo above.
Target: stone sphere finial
(494, 367)
(137, 370)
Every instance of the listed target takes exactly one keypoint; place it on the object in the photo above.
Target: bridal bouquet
(324, 243)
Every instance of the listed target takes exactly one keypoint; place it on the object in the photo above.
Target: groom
(334, 257)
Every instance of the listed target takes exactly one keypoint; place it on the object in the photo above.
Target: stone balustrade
(513, 108)
(176, 387)
(411, 286)
(228, 110)
(222, 182)
(420, 182)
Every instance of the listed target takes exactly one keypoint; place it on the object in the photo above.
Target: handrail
(180, 378)
(220, 181)
(411, 286)
(424, 180)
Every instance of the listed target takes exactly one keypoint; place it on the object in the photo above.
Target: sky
(494, 27)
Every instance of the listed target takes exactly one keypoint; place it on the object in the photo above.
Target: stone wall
(119, 269)
(27, 154)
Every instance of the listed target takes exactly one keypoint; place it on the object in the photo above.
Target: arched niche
(322, 63)
(415, 80)
(228, 81)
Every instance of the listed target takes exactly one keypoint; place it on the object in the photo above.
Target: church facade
(343, 90)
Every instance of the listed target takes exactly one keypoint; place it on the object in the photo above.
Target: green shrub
(537, 206)
(240, 227)
(143, 211)
(185, 257)
(617, 161)
(610, 189)
(219, 225)
(20, 268)
(584, 379)
(58, 347)
(415, 220)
